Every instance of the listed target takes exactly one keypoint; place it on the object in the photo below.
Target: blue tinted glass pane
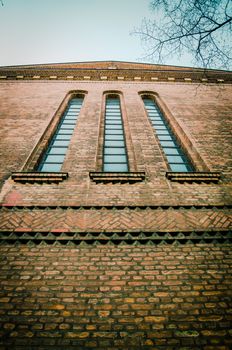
(175, 159)
(55, 159)
(114, 143)
(67, 127)
(167, 144)
(116, 167)
(156, 119)
(116, 127)
(157, 122)
(114, 137)
(112, 122)
(74, 113)
(58, 150)
(115, 159)
(63, 137)
(70, 117)
(65, 132)
(178, 167)
(113, 117)
(113, 132)
(149, 104)
(77, 100)
(160, 127)
(170, 151)
(152, 111)
(114, 150)
(69, 122)
(164, 138)
(162, 132)
(51, 167)
(60, 143)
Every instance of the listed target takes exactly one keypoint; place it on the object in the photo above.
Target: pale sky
(49, 31)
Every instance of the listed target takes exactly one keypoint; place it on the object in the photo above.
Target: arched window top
(112, 93)
(77, 93)
(148, 94)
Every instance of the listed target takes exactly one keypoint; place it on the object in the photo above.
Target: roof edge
(58, 65)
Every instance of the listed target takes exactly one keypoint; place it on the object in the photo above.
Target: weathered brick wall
(203, 113)
(107, 297)
(69, 278)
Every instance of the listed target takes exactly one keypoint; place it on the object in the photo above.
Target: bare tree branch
(202, 28)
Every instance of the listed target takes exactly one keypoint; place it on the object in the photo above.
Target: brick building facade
(128, 244)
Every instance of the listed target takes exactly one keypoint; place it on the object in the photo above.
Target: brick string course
(162, 297)
(108, 220)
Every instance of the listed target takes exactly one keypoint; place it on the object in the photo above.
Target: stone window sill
(37, 177)
(103, 177)
(206, 177)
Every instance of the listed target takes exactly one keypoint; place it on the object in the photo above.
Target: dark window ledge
(194, 176)
(34, 177)
(130, 177)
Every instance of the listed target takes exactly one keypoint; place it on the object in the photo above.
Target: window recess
(175, 156)
(54, 156)
(114, 149)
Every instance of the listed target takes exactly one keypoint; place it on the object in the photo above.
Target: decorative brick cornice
(176, 74)
(114, 207)
(117, 177)
(194, 176)
(37, 177)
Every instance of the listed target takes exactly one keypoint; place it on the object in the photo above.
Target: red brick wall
(107, 297)
(69, 278)
(202, 112)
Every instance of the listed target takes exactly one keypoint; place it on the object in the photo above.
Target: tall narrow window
(176, 158)
(114, 153)
(53, 158)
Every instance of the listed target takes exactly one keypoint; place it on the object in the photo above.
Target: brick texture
(106, 220)
(116, 297)
(104, 265)
(38, 101)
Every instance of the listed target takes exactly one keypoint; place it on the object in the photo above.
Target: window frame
(111, 140)
(167, 123)
(60, 141)
(32, 163)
